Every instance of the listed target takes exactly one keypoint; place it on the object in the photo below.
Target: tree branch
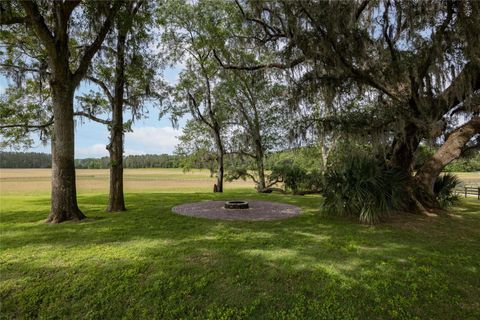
(199, 114)
(287, 65)
(21, 68)
(136, 8)
(274, 182)
(242, 152)
(269, 30)
(93, 48)
(70, 5)
(451, 149)
(6, 20)
(436, 38)
(386, 35)
(356, 73)
(92, 117)
(361, 8)
(467, 81)
(40, 27)
(102, 85)
(468, 149)
(28, 126)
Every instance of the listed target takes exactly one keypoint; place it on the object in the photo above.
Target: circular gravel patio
(257, 211)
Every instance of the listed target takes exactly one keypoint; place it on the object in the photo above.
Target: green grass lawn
(149, 263)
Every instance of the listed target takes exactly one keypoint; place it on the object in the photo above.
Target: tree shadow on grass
(148, 215)
(253, 273)
(149, 261)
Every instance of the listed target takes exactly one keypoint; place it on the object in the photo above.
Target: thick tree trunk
(116, 201)
(402, 157)
(64, 195)
(449, 151)
(404, 148)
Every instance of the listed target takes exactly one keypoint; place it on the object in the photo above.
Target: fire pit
(257, 210)
(236, 205)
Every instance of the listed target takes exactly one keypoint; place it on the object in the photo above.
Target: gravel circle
(258, 211)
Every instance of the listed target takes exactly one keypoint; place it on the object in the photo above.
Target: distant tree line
(44, 160)
(302, 156)
(132, 161)
(25, 160)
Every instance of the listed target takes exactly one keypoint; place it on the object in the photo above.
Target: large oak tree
(417, 63)
(59, 40)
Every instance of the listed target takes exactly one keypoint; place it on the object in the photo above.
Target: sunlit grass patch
(148, 262)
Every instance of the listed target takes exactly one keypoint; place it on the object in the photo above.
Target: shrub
(364, 186)
(291, 174)
(296, 178)
(444, 189)
(313, 181)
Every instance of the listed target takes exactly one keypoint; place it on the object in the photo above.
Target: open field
(37, 181)
(149, 263)
(469, 178)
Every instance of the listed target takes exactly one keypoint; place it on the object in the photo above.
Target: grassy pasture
(471, 179)
(148, 263)
(37, 181)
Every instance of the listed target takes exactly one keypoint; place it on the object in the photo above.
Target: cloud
(94, 151)
(143, 140)
(129, 152)
(151, 140)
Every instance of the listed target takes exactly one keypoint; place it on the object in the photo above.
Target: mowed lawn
(148, 263)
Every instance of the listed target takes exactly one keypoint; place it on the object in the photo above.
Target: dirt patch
(257, 211)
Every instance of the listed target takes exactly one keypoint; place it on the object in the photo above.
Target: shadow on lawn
(174, 266)
(152, 219)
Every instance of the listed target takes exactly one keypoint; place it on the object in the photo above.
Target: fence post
(465, 192)
(478, 193)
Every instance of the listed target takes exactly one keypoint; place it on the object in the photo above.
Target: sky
(150, 135)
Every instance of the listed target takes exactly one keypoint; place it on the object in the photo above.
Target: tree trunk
(64, 195)
(116, 201)
(220, 155)
(212, 169)
(220, 171)
(404, 148)
(261, 184)
(402, 157)
(449, 151)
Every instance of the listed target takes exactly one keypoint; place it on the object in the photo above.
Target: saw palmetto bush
(363, 186)
(444, 190)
